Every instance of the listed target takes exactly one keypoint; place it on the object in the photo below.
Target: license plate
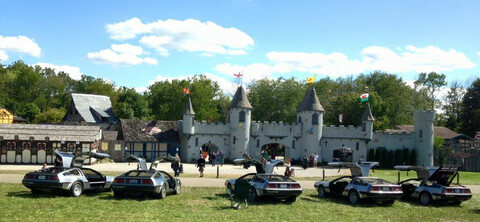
(41, 177)
(457, 191)
(133, 181)
(283, 186)
(385, 188)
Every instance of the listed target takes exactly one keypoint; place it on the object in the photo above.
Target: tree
(51, 116)
(429, 85)
(131, 105)
(470, 117)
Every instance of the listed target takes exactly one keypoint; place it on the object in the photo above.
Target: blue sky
(135, 43)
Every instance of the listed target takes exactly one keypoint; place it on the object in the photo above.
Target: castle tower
(423, 131)
(310, 117)
(188, 123)
(367, 123)
(239, 117)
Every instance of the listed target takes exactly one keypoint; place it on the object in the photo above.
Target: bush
(371, 155)
(406, 155)
(384, 161)
(390, 159)
(413, 158)
(398, 157)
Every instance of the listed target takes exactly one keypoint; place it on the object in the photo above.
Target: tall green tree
(470, 117)
(429, 85)
(453, 106)
(131, 105)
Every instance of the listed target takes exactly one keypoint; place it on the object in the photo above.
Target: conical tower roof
(310, 102)
(189, 107)
(367, 116)
(240, 99)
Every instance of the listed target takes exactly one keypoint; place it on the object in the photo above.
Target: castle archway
(275, 150)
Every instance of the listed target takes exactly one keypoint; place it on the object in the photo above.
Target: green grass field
(211, 204)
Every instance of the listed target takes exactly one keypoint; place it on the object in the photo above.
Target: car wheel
(178, 188)
(456, 203)
(291, 199)
(77, 189)
(163, 192)
(118, 194)
(321, 191)
(35, 191)
(425, 198)
(353, 197)
(252, 195)
(389, 202)
(229, 189)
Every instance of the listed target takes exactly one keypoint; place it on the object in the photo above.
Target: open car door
(422, 172)
(167, 158)
(72, 160)
(258, 165)
(444, 175)
(356, 169)
(142, 164)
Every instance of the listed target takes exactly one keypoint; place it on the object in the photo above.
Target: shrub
(413, 157)
(371, 155)
(390, 159)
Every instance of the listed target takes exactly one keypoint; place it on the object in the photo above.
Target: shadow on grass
(343, 201)
(138, 197)
(475, 211)
(29, 195)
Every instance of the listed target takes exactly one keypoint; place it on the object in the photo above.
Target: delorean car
(359, 185)
(71, 176)
(433, 184)
(264, 183)
(145, 180)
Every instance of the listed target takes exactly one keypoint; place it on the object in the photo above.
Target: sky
(135, 43)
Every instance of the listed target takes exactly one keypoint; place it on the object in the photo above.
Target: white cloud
(478, 53)
(188, 35)
(251, 72)
(121, 54)
(19, 44)
(409, 59)
(73, 72)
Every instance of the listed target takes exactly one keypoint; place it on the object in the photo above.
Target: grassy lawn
(211, 204)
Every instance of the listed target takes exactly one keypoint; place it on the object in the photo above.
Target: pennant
(310, 79)
(186, 91)
(240, 124)
(364, 97)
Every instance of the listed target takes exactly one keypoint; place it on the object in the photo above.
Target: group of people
(311, 161)
(217, 158)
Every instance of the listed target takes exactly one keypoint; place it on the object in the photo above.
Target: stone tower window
(420, 134)
(241, 117)
(299, 119)
(315, 119)
(364, 126)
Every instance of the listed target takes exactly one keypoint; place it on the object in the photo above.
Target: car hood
(444, 175)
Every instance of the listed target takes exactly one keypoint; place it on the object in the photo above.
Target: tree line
(42, 95)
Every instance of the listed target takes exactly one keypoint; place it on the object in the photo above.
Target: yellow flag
(310, 80)
(240, 125)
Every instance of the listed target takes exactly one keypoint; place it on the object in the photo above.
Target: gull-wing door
(142, 164)
(444, 175)
(258, 165)
(72, 160)
(67, 158)
(269, 165)
(422, 172)
(356, 169)
(167, 158)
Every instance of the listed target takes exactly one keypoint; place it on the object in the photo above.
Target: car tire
(35, 191)
(389, 202)
(178, 188)
(291, 199)
(353, 197)
(118, 194)
(426, 198)
(321, 192)
(252, 195)
(456, 203)
(163, 192)
(229, 189)
(77, 189)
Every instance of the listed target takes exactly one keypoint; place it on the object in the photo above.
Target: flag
(240, 125)
(310, 79)
(364, 97)
(186, 91)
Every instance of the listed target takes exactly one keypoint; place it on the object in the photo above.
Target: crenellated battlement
(424, 115)
(340, 126)
(393, 132)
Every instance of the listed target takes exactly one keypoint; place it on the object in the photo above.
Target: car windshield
(139, 174)
(376, 181)
(276, 178)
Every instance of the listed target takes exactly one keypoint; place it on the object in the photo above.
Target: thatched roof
(54, 132)
(240, 99)
(439, 131)
(310, 102)
(93, 108)
(109, 135)
(149, 131)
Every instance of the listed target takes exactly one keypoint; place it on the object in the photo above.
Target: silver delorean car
(359, 185)
(70, 176)
(265, 183)
(145, 180)
(433, 184)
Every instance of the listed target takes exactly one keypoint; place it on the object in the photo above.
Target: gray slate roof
(189, 108)
(240, 99)
(109, 135)
(310, 102)
(87, 105)
(55, 132)
(149, 131)
(367, 116)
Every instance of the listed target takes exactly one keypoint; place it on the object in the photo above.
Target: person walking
(315, 160)
(175, 165)
(201, 165)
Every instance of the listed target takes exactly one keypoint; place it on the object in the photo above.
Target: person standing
(214, 158)
(221, 157)
(315, 160)
(201, 165)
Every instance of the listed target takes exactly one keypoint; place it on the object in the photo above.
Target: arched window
(420, 134)
(299, 119)
(241, 117)
(315, 119)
